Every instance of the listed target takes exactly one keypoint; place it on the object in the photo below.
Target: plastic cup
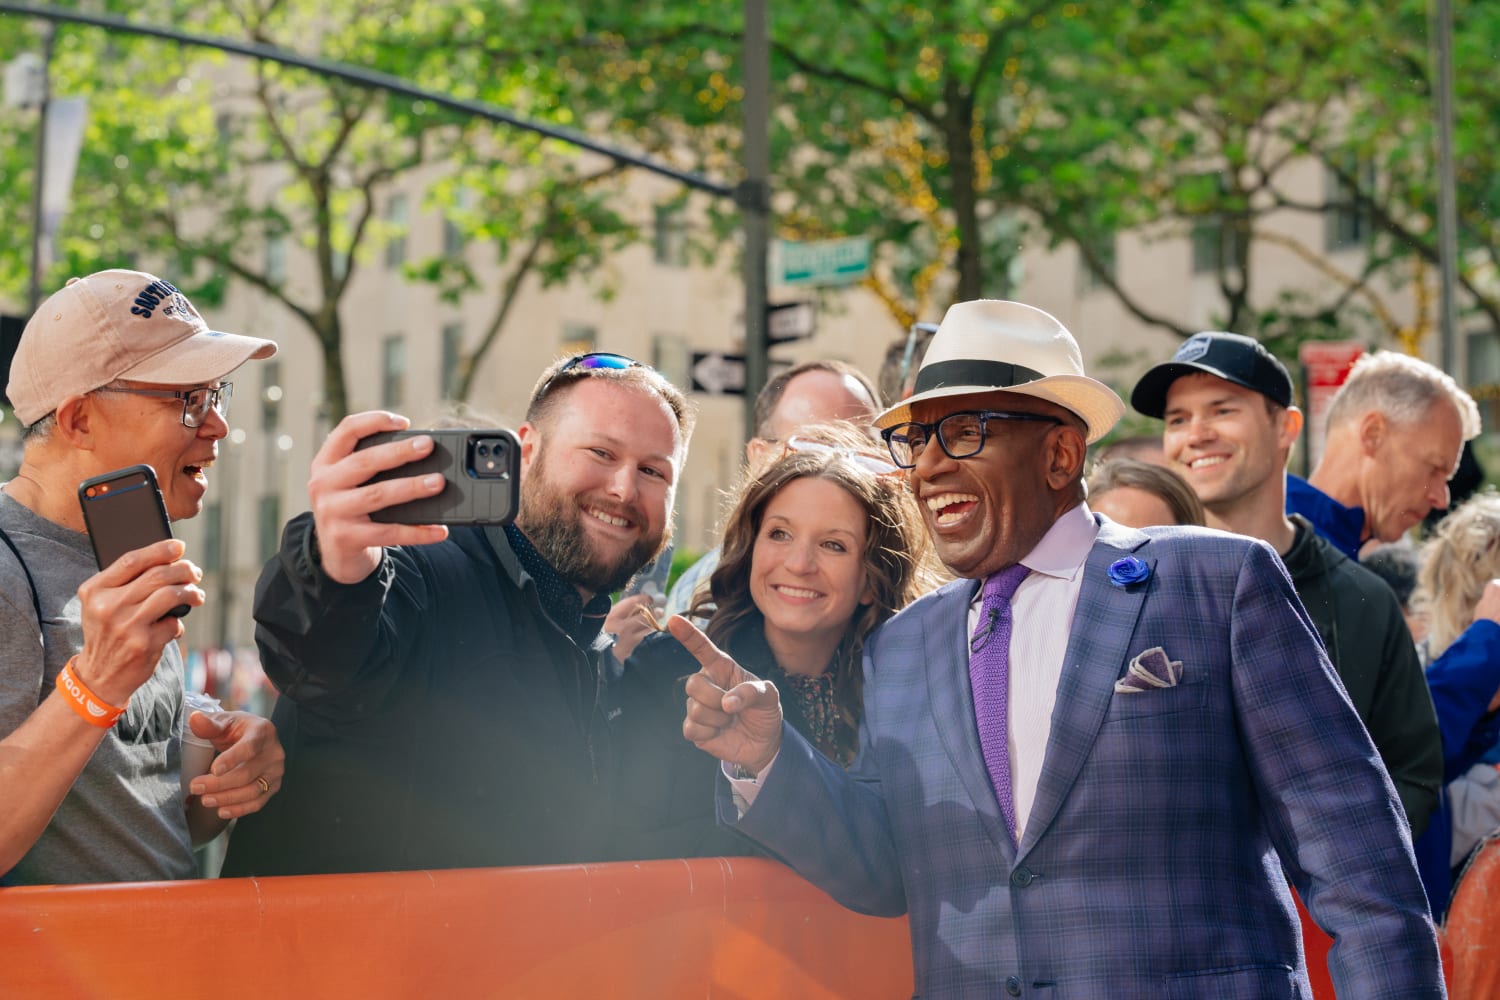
(197, 753)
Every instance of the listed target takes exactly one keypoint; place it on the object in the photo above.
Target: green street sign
(823, 262)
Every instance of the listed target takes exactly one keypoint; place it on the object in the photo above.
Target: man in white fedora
(1085, 766)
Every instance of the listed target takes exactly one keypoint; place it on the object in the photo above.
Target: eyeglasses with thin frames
(592, 361)
(873, 464)
(961, 434)
(195, 402)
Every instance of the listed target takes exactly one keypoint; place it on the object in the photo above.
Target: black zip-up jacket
(1360, 620)
(433, 716)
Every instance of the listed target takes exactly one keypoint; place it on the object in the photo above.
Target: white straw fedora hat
(990, 344)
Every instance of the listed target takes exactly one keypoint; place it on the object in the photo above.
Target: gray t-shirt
(123, 820)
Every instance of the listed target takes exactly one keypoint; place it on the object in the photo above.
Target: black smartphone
(123, 511)
(482, 467)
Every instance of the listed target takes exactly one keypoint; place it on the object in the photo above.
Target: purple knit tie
(989, 675)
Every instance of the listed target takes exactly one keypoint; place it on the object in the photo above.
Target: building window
(1218, 241)
(1217, 245)
(270, 395)
(276, 259)
(1091, 279)
(578, 338)
(393, 371)
(213, 536)
(670, 356)
(1347, 223)
(453, 345)
(268, 525)
(671, 236)
(454, 240)
(396, 216)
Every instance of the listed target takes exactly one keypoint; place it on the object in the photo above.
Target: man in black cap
(1230, 425)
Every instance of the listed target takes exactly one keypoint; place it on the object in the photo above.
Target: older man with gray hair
(1395, 433)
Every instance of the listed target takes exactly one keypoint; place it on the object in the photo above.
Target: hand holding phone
(482, 472)
(123, 511)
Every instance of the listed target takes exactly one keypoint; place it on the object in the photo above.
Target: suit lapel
(1102, 626)
(952, 700)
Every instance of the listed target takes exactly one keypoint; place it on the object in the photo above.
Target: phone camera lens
(489, 458)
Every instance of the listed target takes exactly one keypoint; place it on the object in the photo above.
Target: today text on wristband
(93, 709)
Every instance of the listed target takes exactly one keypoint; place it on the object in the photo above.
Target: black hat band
(970, 373)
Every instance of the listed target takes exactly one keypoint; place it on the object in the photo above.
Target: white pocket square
(1150, 671)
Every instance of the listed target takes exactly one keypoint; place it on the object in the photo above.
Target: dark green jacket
(1360, 621)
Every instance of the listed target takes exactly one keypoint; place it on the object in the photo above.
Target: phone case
(123, 511)
(481, 488)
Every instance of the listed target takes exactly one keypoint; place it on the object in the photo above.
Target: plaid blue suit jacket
(1152, 862)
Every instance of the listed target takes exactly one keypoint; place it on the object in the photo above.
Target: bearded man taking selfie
(444, 690)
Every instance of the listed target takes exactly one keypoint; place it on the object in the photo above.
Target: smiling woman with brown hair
(820, 548)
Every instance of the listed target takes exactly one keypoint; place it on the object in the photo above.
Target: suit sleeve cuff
(744, 786)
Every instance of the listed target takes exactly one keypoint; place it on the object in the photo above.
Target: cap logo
(152, 296)
(1197, 345)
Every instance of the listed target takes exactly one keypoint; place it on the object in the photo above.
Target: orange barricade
(717, 927)
(1470, 930)
(1315, 945)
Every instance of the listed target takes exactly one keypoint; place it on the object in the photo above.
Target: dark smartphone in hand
(123, 511)
(482, 467)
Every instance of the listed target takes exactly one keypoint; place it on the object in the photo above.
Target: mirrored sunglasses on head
(592, 361)
(870, 463)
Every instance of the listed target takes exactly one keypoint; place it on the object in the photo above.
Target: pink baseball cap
(118, 325)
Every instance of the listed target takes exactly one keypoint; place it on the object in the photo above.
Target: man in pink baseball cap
(115, 369)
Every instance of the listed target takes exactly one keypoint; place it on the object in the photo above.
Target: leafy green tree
(214, 165)
(898, 121)
(1193, 119)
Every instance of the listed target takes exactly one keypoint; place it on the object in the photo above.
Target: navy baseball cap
(1231, 356)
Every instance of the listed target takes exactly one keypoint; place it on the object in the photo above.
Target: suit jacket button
(1021, 877)
(1013, 986)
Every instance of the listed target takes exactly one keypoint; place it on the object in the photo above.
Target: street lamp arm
(369, 78)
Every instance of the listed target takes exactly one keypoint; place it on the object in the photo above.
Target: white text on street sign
(824, 262)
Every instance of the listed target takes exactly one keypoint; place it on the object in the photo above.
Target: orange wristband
(94, 710)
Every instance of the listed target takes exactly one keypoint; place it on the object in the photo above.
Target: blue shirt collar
(1343, 526)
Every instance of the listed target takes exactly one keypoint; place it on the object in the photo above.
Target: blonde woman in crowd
(1459, 596)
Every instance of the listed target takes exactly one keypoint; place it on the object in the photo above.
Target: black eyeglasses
(195, 402)
(589, 362)
(960, 434)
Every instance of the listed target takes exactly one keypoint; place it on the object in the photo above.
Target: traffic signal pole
(754, 199)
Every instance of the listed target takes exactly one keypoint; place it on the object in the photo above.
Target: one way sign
(718, 374)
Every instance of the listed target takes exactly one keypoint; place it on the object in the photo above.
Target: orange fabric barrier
(730, 928)
(1315, 945)
(1471, 927)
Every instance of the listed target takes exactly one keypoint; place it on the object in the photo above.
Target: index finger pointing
(718, 665)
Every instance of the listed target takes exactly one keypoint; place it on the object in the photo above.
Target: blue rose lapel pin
(1150, 671)
(1128, 571)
